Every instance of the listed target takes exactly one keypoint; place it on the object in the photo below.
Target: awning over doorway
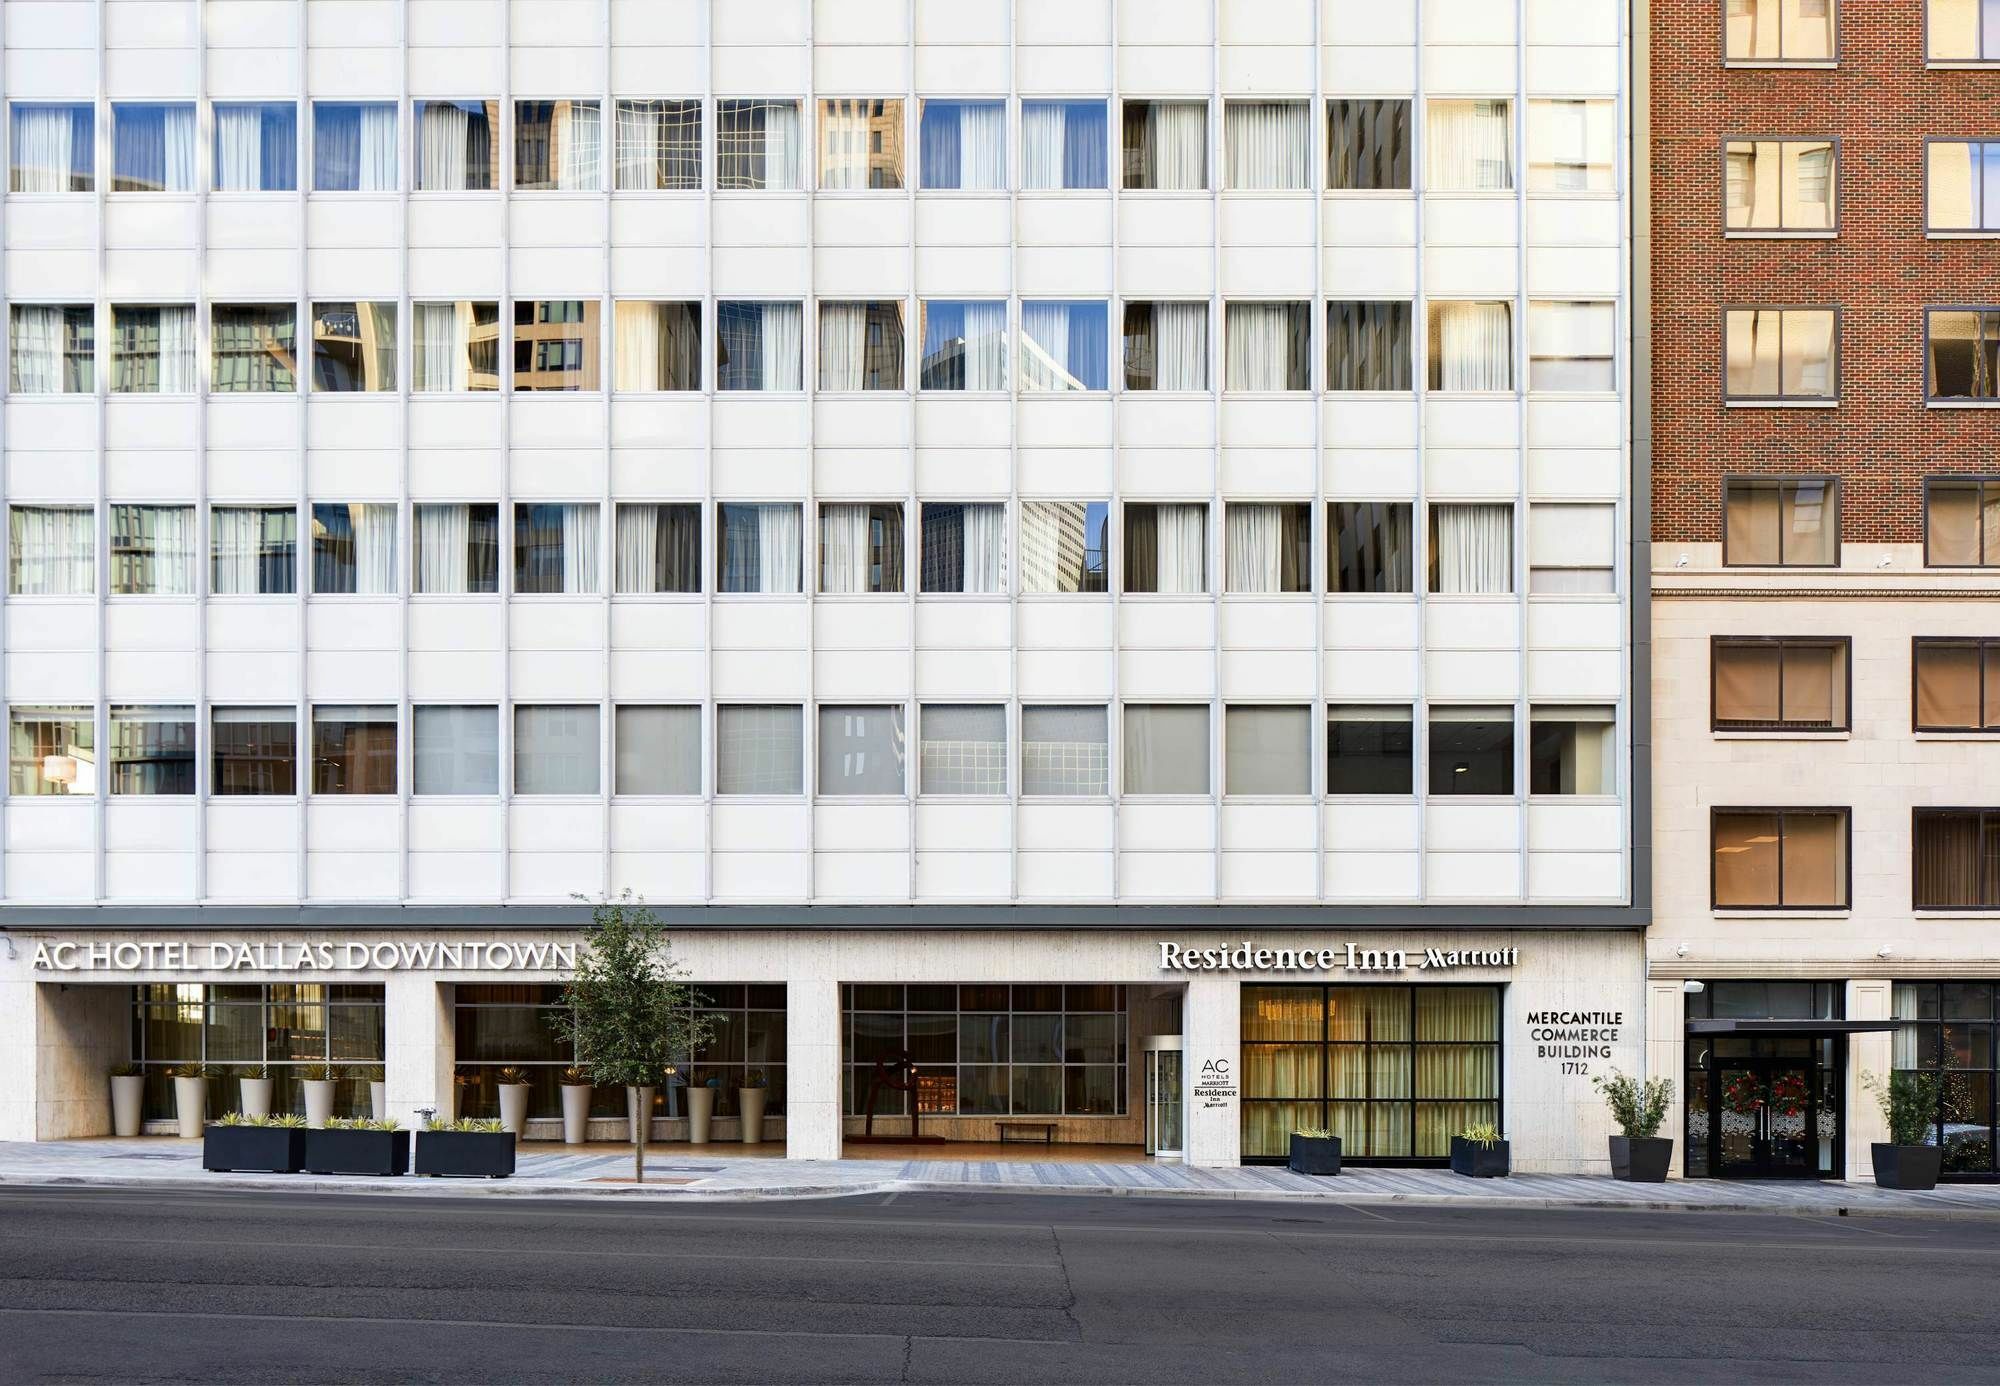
(1791, 1027)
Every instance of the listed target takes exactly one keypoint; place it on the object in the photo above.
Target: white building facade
(939, 499)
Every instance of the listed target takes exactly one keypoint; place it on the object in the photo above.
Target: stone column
(1666, 1057)
(18, 1028)
(420, 1047)
(1866, 1054)
(1211, 1025)
(812, 1063)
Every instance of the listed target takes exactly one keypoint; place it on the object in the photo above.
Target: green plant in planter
(289, 1121)
(1909, 1103)
(188, 1071)
(361, 1124)
(755, 1079)
(318, 1073)
(511, 1075)
(1639, 1107)
(128, 1069)
(1312, 1133)
(250, 1071)
(1481, 1133)
(576, 1076)
(486, 1124)
(367, 1073)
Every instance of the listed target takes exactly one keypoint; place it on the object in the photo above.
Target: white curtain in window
(843, 339)
(985, 548)
(1166, 749)
(442, 136)
(1259, 346)
(982, 144)
(986, 346)
(43, 148)
(783, 148)
(443, 542)
(179, 123)
(378, 148)
(374, 548)
(238, 538)
(38, 349)
(843, 540)
(636, 354)
(641, 139)
(1268, 144)
(638, 548)
(575, 131)
(1475, 346)
(178, 368)
(1467, 144)
(1180, 346)
(439, 342)
(1254, 550)
(173, 529)
(1044, 128)
(782, 346)
(239, 148)
(1475, 546)
(1044, 345)
(579, 548)
(1178, 131)
(55, 552)
(779, 531)
(1181, 541)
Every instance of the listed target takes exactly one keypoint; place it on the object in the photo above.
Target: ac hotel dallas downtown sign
(381, 956)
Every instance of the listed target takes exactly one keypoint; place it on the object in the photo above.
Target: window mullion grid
(302, 762)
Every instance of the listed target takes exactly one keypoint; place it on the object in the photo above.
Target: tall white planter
(701, 1108)
(378, 1101)
(190, 1106)
(128, 1103)
(319, 1101)
(514, 1108)
(750, 1101)
(638, 1107)
(255, 1095)
(576, 1113)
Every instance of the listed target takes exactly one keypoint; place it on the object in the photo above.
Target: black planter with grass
(332, 1150)
(1314, 1154)
(253, 1149)
(1641, 1159)
(1911, 1167)
(1480, 1159)
(466, 1154)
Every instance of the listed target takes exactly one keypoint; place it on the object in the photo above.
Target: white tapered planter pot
(638, 1107)
(128, 1103)
(750, 1102)
(514, 1108)
(701, 1110)
(255, 1095)
(576, 1113)
(319, 1101)
(378, 1101)
(190, 1106)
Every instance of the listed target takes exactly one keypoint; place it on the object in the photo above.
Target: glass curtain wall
(283, 1026)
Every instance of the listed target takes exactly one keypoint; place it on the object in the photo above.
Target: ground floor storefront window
(284, 1026)
(1763, 1103)
(1394, 1071)
(1947, 1028)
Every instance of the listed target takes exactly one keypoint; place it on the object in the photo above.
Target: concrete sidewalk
(680, 1173)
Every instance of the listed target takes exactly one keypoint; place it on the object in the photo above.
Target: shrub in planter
(262, 1143)
(318, 1081)
(254, 1084)
(1478, 1152)
(466, 1150)
(576, 1095)
(750, 1102)
(1910, 1158)
(514, 1090)
(1640, 1155)
(1314, 1150)
(190, 1098)
(128, 1099)
(360, 1145)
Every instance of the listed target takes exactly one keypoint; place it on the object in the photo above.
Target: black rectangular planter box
(1314, 1155)
(265, 1149)
(330, 1151)
(466, 1154)
(1479, 1161)
(1912, 1167)
(1641, 1159)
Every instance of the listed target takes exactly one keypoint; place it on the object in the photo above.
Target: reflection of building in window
(555, 344)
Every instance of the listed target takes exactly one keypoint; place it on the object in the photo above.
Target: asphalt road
(111, 1285)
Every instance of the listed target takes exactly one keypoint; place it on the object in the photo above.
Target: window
(354, 750)
(256, 146)
(152, 750)
(54, 148)
(1772, 683)
(153, 550)
(1369, 547)
(555, 548)
(657, 750)
(454, 347)
(1572, 146)
(1166, 748)
(1267, 750)
(860, 143)
(758, 548)
(1064, 346)
(1472, 549)
(152, 146)
(255, 349)
(558, 146)
(1572, 549)
(153, 350)
(1779, 859)
(659, 146)
(1778, 31)
(284, 1025)
(1268, 546)
(965, 547)
(54, 349)
(1368, 346)
(1063, 145)
(1065, 752)
(1166, 145)
(354, 146)
(457, 145)
(555, 344)
(254, 551)
(860, 547)
(1771, 522)
(1964, 350)
(354, 549)
(1959, 515)
(1471, 346)
(457, 548)
(860, 750)
(1947, 1032)
(456, 749)
(1166, 346)
(759, 749)
(1961, 31)
(1267, 145)
(759, 346)
(657, 347)
(354, 347)
(659, 549)
(965, 144)
(52, 551)
(1468, 146)
(1063, 546)
(965, 346)
(1267, 346)
(1572, 750)
(1472, 750)
(556, 749)
(52, 751)
(1962, 186)
(1778, 185)
(1166, 548)
(1368, 145)
(1571, 347)
(253, 750)
(964, 749)
(1780, 354)
(1957, 685)
(861, 346)
(1369, 749)
(758, 145)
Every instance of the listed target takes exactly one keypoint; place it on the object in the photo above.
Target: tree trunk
(639, 1150)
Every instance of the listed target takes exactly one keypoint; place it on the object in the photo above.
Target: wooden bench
(1047, 1128)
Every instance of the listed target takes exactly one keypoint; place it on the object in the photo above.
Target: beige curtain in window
(1948, 686)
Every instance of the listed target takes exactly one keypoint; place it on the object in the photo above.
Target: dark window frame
(1982, 816)
(1845, 643)
(1829, 481)
(1980, 645)
(1839, 30)
(1931, 396)
(1781, 231)
(1780, 812)
(1935, 1028)
(1781, 399)
(1961, 478)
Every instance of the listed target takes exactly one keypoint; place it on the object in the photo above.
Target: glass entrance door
(1165, 1110)
(1774, 1114)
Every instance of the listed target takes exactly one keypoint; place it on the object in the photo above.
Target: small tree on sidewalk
(627, 1009)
